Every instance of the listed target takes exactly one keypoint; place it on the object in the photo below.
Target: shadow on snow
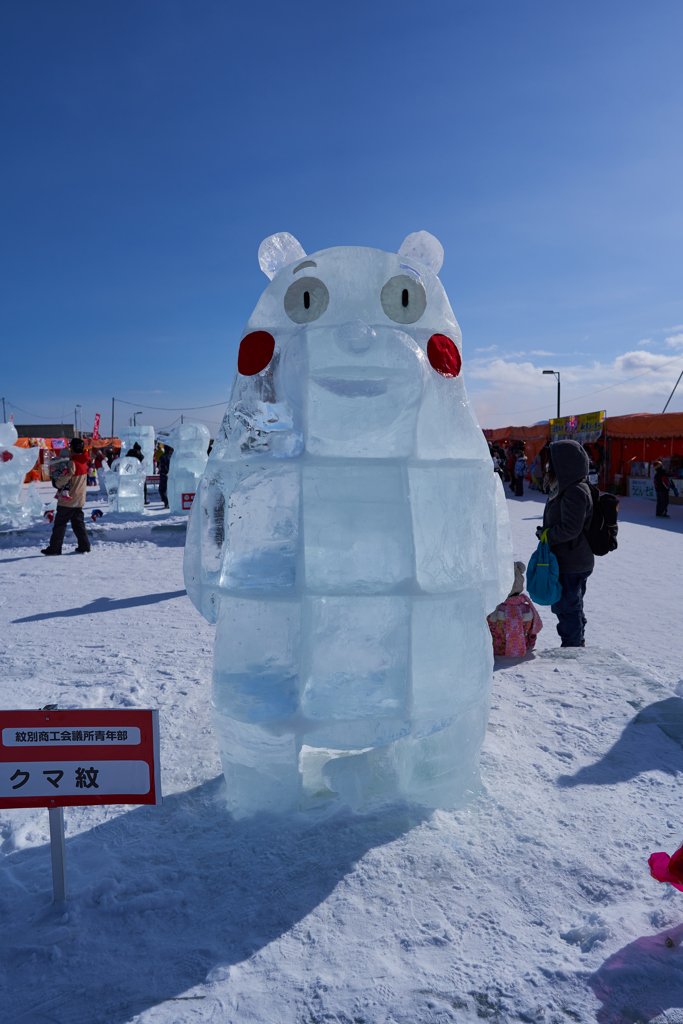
(104, 604)
(161, 897)
(639, 749)
(641, 981)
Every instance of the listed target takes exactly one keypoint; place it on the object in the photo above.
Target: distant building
(45, 430)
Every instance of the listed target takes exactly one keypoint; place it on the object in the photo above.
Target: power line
(38, 416)
(174, 408)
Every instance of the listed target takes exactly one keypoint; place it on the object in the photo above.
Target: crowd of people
(514, 467)
(75, 469)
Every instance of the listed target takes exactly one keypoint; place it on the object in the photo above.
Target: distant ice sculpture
(145, 438)
(15, 463)
(190, 442)
(349, 538)
(125, 483)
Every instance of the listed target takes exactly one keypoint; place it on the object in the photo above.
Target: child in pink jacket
(515, 623)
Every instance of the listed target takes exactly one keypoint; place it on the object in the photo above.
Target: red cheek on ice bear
(256, 351)
(443, 354)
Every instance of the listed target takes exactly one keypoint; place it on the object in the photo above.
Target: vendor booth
(622, 448)
(634, 443)
(51, 447)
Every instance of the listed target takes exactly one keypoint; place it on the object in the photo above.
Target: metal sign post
(58, 853)
(59, 759)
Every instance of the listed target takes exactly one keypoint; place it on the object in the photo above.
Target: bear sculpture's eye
(306, 300)
(404, 299)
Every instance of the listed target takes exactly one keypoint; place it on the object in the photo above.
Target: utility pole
(556, 373)
(4, 415)
(663, 410)
(112, 417)
(181, 419)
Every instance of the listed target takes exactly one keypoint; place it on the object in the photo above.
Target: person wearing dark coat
(164, 466)
(662, 488)
(568, 512)
(135, 452)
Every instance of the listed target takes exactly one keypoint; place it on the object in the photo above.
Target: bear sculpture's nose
(354, 336)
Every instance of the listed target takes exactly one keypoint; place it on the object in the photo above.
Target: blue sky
(148, 148)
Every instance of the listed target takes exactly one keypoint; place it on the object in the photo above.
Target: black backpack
(601, 533)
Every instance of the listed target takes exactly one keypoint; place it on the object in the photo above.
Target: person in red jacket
(70, 501)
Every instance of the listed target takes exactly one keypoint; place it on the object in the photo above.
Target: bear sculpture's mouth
(360, 381)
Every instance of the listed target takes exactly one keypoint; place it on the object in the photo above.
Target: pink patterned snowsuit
(514, 626)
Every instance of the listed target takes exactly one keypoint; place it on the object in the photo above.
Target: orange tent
(642, 437)
(645, 425)
(534, 437)
(46, 442)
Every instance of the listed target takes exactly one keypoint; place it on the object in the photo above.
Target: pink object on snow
(513, 637)
(668, 869)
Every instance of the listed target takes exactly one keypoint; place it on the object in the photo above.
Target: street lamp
(76, 430)
(134, 415)
(556, 373)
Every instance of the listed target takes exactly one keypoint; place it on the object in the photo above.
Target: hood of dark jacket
(570, 462)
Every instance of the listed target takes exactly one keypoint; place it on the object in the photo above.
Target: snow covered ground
(534, 903)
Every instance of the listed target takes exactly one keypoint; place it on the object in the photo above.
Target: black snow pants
(64, 516)
(662, 503)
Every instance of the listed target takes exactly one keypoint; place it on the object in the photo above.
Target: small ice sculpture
(125, 483)
(189, 442)
(15, 463)
(34, 505)
(349, 538)
(145, 438)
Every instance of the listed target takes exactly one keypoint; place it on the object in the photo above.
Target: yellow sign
(588, 427)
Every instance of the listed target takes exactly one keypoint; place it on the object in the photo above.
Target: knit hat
(518, 585)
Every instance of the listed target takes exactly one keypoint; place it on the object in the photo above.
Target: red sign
(96, 428)
(70, 758)
(187, 501)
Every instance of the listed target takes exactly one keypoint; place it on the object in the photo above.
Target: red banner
(96, 428)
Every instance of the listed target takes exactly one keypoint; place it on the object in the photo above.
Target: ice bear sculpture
(190, 443)
(144, 436)
(125, 483)
(349, 538)
(15, 463)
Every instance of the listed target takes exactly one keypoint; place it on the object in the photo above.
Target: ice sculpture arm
(506, 564)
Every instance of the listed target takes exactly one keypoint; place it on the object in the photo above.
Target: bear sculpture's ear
(424, 248)
(277, 251)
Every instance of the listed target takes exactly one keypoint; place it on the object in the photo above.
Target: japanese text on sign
(21, 737)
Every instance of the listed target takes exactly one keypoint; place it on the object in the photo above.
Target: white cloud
(675, 340)
(638, 361)
(645, 341)
(540, 352)
(491, 348)
(508, 390)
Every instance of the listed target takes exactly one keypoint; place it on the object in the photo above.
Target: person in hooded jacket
(567, 513)
(70, 509)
